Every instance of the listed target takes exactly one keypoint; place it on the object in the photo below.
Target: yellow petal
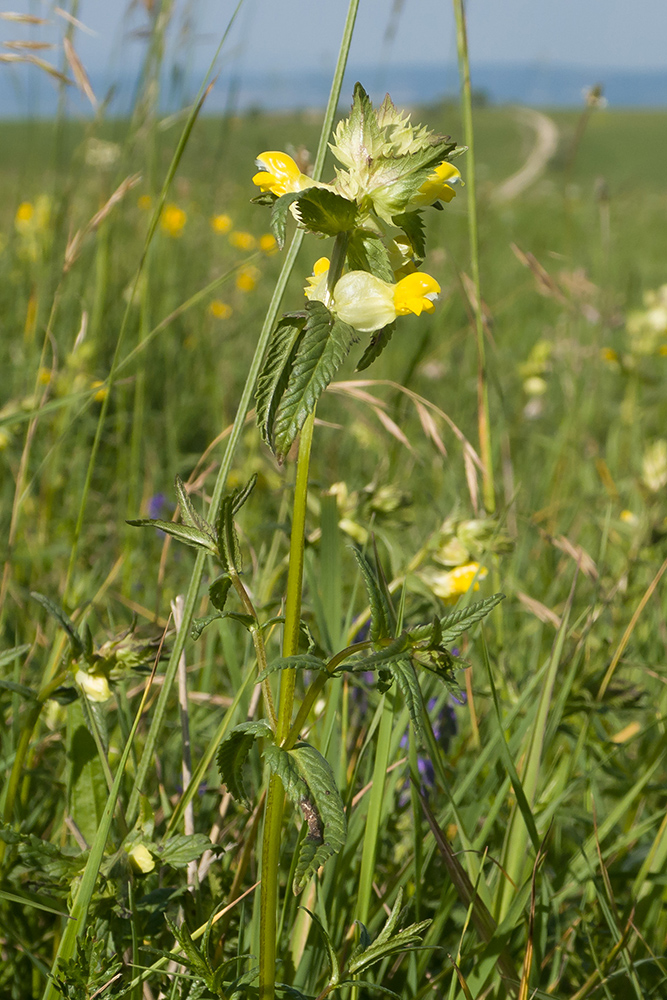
(279, 174)
(415, 294)
(364, 301)
(437, 186)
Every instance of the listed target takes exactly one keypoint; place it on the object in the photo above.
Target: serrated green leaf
(310, 784)
(381, 616)
(87, 642)
(322, 350)
(188, 512)
(459, 621)
(363, 942)
(385, 655)
(412, 225)
(379, 341)
(36, 856)
(405, 676)
(370, 986)
(366, 251)
(183, 532)
(218, 591)
(21, 689)
(405, 940)
(199, 624)
(323, 211)
(302, 661)
(180, 850)
(334, 974)
(228, 542)
(241, 494)
(233, 751)
(279, 216)
(76, 644)
(192, 957)
(10, 655)
(275, 373)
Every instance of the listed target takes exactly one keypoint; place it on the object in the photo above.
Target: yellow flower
(662, 350)
(629, 518)
(247, 279)
(144, 202)
(173, 220)
(449, 586)
(316, 287)
(436, 187)
(94, 686)
(4, 438)
(102, 390)
(267, 243)
(367, 303)
(279, 174)
(141, 859)
(609, 354)
(43, 376)
(242, 240)
(221, 223)
(220, 309)
(24, 214)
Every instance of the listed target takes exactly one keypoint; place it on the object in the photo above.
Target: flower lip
(279, 174)
(416, 293)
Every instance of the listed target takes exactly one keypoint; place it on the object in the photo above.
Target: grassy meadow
(543, 869)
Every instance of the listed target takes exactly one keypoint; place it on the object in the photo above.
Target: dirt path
(546, 143)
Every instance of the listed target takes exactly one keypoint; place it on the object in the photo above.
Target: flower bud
(141, 859)
(94, 686)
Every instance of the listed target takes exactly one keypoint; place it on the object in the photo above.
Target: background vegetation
(562, 695)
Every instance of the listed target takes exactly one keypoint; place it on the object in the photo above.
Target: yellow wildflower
(220, 309)
(316, 287)
(609, 354)
(44, 376)
(102, 390)
(436, 187)
(629, 518)
(221, 223)
(141, 859)
(242, 240)
(267, 243)
(367, 303)
(144, 202)
(247, 279)
(451, 585)
(173, 220)
(24, 215)
(94, 686)
(279, 174)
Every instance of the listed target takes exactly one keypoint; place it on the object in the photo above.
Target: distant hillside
(28, 92)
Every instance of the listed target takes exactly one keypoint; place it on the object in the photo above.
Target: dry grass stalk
(80, 75)
(73, 248)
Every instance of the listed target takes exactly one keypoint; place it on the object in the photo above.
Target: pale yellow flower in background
(247, 278)
(242, 240)
(141, 859)
(219, 309)
(436, 187)
(609, 354)
(629, 518)
(144, 202)
(94, 686)
(24, 215)
(173, 221)
(4, 438)
(44, 376)
(221, 223)
(535, 386)
(267, 243)
(279, 174)
(654, 465)
(451, 585)
(102, 390)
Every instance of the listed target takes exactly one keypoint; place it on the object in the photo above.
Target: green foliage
(322, 211)
(233, 752)
(309, 782)
(275, 374)
(321, 351)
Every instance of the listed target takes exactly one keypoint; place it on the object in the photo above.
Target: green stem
(274, 801)
(482, 378)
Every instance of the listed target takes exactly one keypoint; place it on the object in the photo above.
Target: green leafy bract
(310, 784)
(322, 350)
(412, 225)
(233, 751)
(381, 613)
(379, 341)
(389, 941)
(279, 216)
(274, 376)
(188, 512)
(302, 661)
(367, 252)
(323, 211)
(183, 532)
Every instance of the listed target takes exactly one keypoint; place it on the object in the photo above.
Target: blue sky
(274, 33)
